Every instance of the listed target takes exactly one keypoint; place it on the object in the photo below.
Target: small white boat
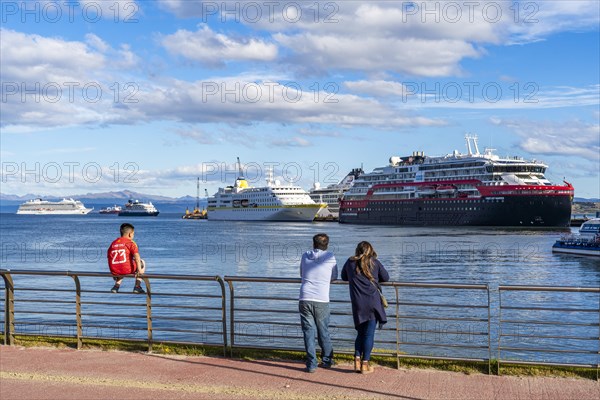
(587, 243)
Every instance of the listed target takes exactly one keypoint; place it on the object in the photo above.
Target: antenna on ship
(240, 169)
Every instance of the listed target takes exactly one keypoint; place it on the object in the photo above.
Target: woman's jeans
(314, 317)
(365, 339)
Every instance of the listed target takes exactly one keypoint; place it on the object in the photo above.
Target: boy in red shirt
(124, 259)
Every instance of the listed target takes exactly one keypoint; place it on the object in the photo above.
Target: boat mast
(198, 193)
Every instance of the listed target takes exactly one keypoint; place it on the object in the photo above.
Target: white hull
(277, 213)
(582, 252)
(55, 212)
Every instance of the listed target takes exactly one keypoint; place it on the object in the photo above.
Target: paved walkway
(48, 373)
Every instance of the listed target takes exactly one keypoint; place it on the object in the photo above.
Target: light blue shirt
(317, 269)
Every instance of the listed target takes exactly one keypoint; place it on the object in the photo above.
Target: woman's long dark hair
(363, 256)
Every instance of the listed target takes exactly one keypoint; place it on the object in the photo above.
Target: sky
(110, 95)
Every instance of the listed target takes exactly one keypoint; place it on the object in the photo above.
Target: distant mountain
(582, 200)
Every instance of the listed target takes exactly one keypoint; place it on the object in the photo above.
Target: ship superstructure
(135, 208)
(45, 207)
(332, 194)
(458, 189)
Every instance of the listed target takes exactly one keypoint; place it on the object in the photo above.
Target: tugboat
(134, 208)
(197, 213)
(587, 243)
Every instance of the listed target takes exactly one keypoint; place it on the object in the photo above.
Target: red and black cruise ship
(458, 189)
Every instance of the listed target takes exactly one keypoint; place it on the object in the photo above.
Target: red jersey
(120, 256)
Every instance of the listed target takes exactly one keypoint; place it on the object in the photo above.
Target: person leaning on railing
(364, 272)
(124, 259)
(318, 268)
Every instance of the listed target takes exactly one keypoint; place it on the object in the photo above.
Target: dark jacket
(366, 303)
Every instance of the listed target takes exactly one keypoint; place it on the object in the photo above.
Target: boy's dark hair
(126, 228)
(320, 241)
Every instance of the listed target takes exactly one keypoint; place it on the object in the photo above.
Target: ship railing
(78, 304)
(528, 326)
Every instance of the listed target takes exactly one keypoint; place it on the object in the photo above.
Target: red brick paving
(49, 373)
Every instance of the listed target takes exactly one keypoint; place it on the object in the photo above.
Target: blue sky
(179, 88)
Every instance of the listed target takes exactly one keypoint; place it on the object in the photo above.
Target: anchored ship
(477, 189)
(332, 194)
(135, 208)
(63, 207)
(273, 202)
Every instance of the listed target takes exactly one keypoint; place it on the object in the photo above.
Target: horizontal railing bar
(113, 315)
(552, 309)
(549, 288)
(154, 329)
(19, 289)
(45, 323)
(164, 318)
(107, 274)
(37, 334)
(189, 307)
(558, 323)
(443, 318)
(122, 327)
(550, 337)
(103, 303)
(445, 332)
(46, 301)
(196, 295)
(541, 350)
(442, 305)
(443, 345)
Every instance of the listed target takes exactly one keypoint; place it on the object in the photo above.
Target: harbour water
(171, 245)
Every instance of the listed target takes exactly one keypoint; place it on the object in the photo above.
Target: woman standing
(363, 272)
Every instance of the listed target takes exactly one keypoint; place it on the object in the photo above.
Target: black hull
(521, 211)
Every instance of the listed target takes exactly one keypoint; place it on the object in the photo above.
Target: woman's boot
(366, 368)
(357, 366)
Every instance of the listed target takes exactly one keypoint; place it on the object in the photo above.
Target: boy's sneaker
(138, 290)
(115, 289)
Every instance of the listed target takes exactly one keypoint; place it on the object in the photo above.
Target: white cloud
(291, 142)
(214, 49)
(571, 138)
(378, 88)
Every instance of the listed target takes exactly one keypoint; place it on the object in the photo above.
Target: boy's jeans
(314, 316)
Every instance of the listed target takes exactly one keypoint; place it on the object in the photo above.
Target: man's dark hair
(126, 228)
(320, 241)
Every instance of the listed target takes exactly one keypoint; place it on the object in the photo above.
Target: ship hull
(54, 212)
(279, 214)
(138, 214)
(518, 211)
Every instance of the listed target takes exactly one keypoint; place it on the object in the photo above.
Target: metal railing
(454, 323)
(92, 308)
(535, 310)
(279, 319)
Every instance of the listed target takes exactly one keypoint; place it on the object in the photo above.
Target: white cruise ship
(272, 202)
(332, 194)
(63, 207)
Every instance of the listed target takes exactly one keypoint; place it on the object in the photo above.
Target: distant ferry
(111, 210)
(332, 194)
(587, 243)
(63, 207)
(272, 202)
(458, 189)
(134, 208)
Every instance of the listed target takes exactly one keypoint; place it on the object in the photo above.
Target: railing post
(78, 311)
(148, 312)
(397, 327)
(231, 316)
(499, 327)
(9, 310)
(223, 313)
(489, 330)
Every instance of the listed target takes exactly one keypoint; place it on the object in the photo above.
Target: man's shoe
(115, 289)
(310, 370)
(138, 290)
(327, 365)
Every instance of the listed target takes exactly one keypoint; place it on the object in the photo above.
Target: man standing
(318, 268)
(124, 259)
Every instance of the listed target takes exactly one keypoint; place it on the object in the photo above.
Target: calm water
(171, 245)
